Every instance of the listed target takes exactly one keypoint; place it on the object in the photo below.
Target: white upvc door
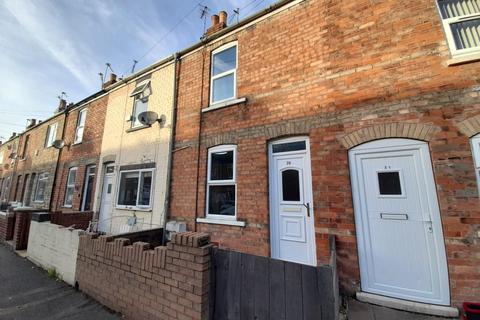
(292, 233)
(399, 232)
(106, 200)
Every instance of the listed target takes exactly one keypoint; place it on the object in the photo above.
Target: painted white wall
(54, 246)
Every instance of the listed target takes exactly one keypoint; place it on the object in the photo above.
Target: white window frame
(88, 173)
(51, 134)
(233, 181)
(68, 186)
(141, 92)
(137, 206)
(475, 143)
(223, 74)
(447, 22)
(6, 187)
(41, 177)
(79, 138)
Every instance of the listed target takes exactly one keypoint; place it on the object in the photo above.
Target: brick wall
(7, 223)
(79, 220)
(339, 70)
(80, 155)
(169, 282)
(38, 159)
(21, 230)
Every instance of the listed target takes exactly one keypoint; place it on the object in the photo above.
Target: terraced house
(359, 120)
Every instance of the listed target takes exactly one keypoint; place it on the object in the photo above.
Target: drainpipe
(58, 160)
(172, 135)
(199, 138)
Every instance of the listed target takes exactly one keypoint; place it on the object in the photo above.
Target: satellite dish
(12, 155)
(58, 144)
(148, 118)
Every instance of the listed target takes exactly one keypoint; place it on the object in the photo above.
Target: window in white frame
(140, 104)
(82, 116)
(223, 82)
(70, 188)
(6, 189)
(135, 189)
(221, 183)
(41, 186)
(51, 134)
(475, 142)
(461, 22)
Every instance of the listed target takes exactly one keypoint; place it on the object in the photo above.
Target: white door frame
(112, 177)
(308, 197)
(389, 145)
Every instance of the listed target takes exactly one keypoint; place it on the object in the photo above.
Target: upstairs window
(41, 186)
(461, 22)
(224, 74)
(221, 183)
(51, 135)
(475, 141)
(82, 116)
(70, 189)
(141, 94)
(135, 189)
(25, 146)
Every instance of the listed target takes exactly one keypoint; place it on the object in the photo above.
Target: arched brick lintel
(418, 131)
(471, 126)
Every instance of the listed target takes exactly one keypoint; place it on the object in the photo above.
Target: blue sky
(50, 46)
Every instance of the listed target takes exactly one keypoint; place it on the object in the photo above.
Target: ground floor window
(135, 190)
(41, 186)
(476, 157)
(221, 183)
(70, 189)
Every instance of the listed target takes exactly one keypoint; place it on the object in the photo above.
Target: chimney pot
(215, 20)
(113, 77)
(223, 17)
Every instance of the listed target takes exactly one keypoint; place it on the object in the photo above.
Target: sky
(52, 46)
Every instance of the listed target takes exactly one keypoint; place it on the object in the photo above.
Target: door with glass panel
(106, 200)
(292, 232)
(88, 188)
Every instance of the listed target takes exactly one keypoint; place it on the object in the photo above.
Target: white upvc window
(51, 135)
(70, 188)
(135, 189)
(141, 93)
(475, 142)
(41, 186)
(221, 183)
(461, 22)
(82, 117)
(223, 82)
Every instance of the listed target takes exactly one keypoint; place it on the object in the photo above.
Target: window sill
(472, 57)
(224, 104)
(133, 209)
(221, 221)
(133, 129)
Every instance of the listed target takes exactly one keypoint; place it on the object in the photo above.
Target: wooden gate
(251, 287)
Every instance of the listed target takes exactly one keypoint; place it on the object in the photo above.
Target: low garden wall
(77, 220)
(165, 282)
(53, 246)
(7, 223)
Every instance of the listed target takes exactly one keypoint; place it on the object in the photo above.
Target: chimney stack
(219, 22)
(31, 123)
(61, 105)
(112, 80)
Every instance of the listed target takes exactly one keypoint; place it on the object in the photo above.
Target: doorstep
(425, 308)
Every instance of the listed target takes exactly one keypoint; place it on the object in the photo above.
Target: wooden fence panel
(258, 288)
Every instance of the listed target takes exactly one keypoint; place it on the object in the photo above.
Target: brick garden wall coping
(166, 282)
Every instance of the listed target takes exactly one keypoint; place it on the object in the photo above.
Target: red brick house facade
(78, 160)
(36, 163)
(338, 75)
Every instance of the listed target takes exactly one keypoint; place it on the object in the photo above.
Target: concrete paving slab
(26, 292)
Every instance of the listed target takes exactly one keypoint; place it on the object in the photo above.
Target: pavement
(364, 311)
(26, 292)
